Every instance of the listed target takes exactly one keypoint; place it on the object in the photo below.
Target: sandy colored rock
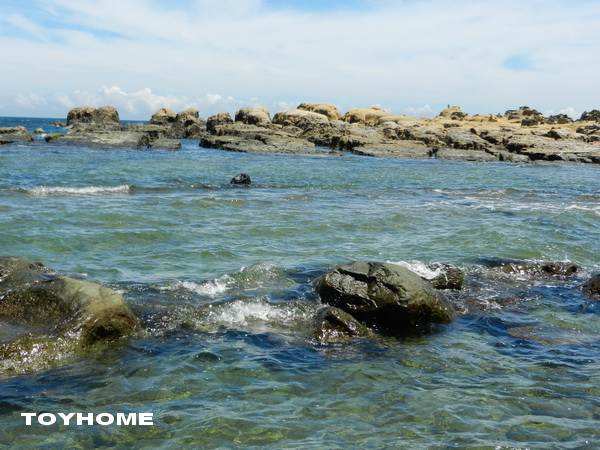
(255, 115)
(327, 109)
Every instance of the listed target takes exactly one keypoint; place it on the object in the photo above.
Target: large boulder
(88, 313)
(107, 115)
(387, 297)
(183, 125)
(255, 115)
(164, 116)
(326, 109)
(218, 120)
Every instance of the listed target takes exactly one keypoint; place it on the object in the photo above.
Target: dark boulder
(241, 178)
(593, 115)
(592, 287)
(387, 297)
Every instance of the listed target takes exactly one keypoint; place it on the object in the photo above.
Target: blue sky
(406, 56)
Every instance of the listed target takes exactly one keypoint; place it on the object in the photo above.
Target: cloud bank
(410, 57)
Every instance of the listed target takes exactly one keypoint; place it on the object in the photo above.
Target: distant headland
(519, 135)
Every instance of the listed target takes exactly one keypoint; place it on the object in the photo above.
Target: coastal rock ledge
(387, 297)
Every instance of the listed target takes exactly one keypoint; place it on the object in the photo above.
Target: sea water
(221, 278)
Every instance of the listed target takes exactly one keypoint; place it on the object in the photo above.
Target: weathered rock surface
(240, 137)
(106, 115)
(217, 121)
(387, 297)
(184, 125)
(255, 115)
(155, 137)
(299, 118)
(327, 109)
(10, 135)
(373, 116)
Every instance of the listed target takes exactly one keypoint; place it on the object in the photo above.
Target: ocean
(221, 277)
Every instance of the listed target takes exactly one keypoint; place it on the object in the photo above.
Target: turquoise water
(221, 278)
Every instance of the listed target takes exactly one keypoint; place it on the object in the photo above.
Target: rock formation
(387, 297)
(10, 135)
(107, 115)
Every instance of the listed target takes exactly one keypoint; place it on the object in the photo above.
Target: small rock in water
(240, 178)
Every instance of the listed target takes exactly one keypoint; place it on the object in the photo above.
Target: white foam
(419, 268)
(212, 288)
(43, 191)
(241, 313)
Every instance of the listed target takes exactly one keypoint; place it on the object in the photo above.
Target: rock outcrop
(327, 109)
(10, 135)
(106, 115)
(95, 128)
(255, 115)
(390, 298)
(184, 125)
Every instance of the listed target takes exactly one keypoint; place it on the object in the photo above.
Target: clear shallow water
(221, 277)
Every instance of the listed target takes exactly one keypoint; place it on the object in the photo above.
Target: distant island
(520, 135)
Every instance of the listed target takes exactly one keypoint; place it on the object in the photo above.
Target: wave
(43, 191)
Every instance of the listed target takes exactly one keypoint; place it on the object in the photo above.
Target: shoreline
(521, 136)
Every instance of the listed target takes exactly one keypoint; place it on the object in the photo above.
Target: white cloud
(30, 101)
(210, 54)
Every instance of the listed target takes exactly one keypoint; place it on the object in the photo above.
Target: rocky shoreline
(523, 135)
(58, 318)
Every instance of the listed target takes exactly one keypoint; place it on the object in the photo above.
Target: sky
(412, 57)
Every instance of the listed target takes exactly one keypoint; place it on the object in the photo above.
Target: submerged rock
(440, 275)
(388, 297)
(65, 315)
(241, 178)
(592, 287)
(540, 269)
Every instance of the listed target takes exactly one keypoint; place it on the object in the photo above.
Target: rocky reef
(518, 135)
(522, 135)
